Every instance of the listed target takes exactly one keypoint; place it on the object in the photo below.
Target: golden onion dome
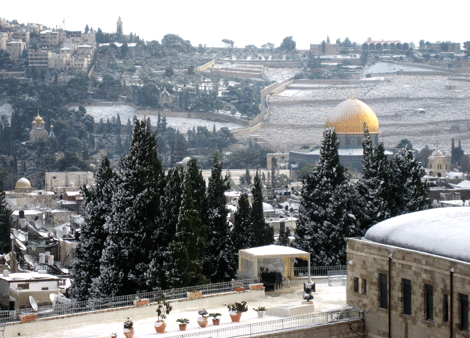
(39, 119)
(349, 117)
(23, 183)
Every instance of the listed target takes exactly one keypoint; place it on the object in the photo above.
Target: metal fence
(123, 301)
(280, 324)
(318, 270)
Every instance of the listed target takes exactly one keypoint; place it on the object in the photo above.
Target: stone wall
(351, 329)
(369, 259)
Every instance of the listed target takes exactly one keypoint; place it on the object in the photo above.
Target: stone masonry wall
(334, 330)
(369, 259)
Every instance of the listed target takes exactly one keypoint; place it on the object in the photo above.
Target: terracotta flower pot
(160, 326)
(183, 327)
(129, 333)
(216, 321)
(202, 321)
(235, 317)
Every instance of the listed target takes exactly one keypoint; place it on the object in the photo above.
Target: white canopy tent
(250, 260)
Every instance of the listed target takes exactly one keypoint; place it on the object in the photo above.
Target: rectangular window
(429, 302)
(446, 309)
(383, 297)
(406, 297)
(364, 286)
(463, 312)
(356, 284)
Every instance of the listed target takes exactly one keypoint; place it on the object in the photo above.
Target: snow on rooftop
(274, 250)
(444, 232)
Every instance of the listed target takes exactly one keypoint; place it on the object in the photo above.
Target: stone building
(438, 164)
(411, 275)
(348, 119)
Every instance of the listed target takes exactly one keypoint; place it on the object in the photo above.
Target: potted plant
(215, 320)
(202, 320)
(194, 294)
(128, 328)
(261, 310)
(236, 309)
(163, 309)
(183, 323)
(140, 302)
(113, 335)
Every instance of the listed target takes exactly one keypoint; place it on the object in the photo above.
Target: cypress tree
(5, 222)
(320, 224)
(263, 234)
(408, 191)
(199, 188)
(97, 205)
(220, 264)
(135, 209)
(242, 231)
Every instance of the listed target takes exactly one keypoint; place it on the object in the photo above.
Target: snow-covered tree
(135, 209)
(5, 222)
(184, 265)
(242, 230)
(164, 233)
(324, 217)
(409, 192)
(263, 233)
(199, 188)
(220, 259)
(97, 205)
(373, 189)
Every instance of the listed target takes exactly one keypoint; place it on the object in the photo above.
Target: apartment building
(39, 58)
(15, 49)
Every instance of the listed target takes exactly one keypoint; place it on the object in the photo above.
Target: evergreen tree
(5, 222)
(321, 213)
(283, 239)
(135, 209)
(199, 188)
(170, 203)
(242, 230)
(86, 263)
(263, 233)
(185, 264)
(408, 191)
(373, 188)
(220, 264)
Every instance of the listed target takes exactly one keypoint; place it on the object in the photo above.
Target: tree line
(333, 209)
(147, 230)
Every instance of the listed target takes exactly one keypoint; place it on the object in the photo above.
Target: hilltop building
(119, 29)
(38, 131)
(348, 119)
(411, 275)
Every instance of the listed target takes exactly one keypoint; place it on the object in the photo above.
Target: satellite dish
(30, 260)
(33, 303)
(20, 245)
(53, 297)
(62, 299)
(21, 237)
(16, 233)
(12, 236)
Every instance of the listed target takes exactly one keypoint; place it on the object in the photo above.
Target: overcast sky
(255, 21)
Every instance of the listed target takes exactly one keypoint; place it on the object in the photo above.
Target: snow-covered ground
(127, 113)
(425, 109)
(384, 68)
(326, 298)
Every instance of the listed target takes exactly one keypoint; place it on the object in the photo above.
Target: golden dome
(39, 119)
(23, 183)
(349, 116)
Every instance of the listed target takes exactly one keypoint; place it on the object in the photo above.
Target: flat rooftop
(325, 298)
